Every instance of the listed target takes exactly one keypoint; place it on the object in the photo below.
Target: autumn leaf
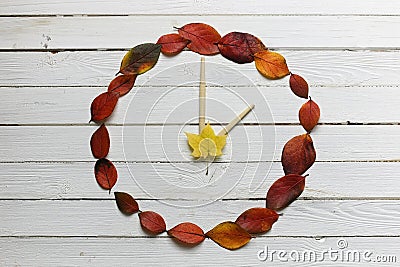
(229, 235)
(140, 59)
(309, 115)
(298, 85)
(271, 64)
(284, 191)
(257, 220)
(203, 38)
(240, 47)
(206, 144)
(100, 142)
(172, 44)
(122, 84)
(188, 233)
(298, 154)
(105, 173)
(103, 105)
(126, 203)
(152, 222)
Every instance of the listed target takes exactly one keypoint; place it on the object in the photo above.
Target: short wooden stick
(202, 96)
(236, 120)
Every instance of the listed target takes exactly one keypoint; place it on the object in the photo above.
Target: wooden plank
(102, 218)
(332, 180)
(168, 143)
(320, 68)
(307, 31)
(198, 7)
(69, 105)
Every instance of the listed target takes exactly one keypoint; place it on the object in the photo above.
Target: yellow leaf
(229, 235)
(271, 64)
(206, 144)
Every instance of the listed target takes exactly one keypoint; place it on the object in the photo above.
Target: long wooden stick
(236, 120)
(202, 96)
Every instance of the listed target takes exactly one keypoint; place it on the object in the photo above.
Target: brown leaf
(309, 115)
(229, 235)
(257, 220)
(271, 64)
(298, 154)
(172, 44)
(152, 222)
(100, 142)
(140, 59)
(240, 47)
(284, 191)
(202, 37)
(105, 173)
(187, 233)
(126, 203)
(298, 85)
(103, 105)
(122, 84)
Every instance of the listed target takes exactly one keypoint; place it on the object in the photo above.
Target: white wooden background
(56, 56)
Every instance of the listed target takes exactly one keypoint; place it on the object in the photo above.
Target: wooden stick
(202, 96)
(236, 120)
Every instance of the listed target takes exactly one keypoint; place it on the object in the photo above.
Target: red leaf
(202, 37)
(103, 105)
(126, 203)
(284, 191)
(298, 154)
(240, 47)
(187, 233)
(105, 173)
(100, 142)
(257, 220)
(229, 235)
(309, 115)
(140, 59)
(298, 85)
(172, 44)
(152, 222)
(122, 84)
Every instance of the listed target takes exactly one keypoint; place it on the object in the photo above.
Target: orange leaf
(187, 233)
(105, 173)
(257, 220)
(126, 203)
(122, 84)
(229, 235)
(172, 44)
(309, 115)
(271, 64)
(298, 85)
(140, 59)
(284, 191)
(202, 37)
(100, 142)
(152, 222)
(240, 47)
(298, 154)
(103, 105)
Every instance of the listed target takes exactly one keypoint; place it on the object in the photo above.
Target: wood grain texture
(274, 31)
(168, 143)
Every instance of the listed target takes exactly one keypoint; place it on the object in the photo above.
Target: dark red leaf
(309, 115)
(152, 222)
(240, 47)
(122, 84)
(298, 85)
(298, 154)
(172, 44)
(105, 173)
(126, 203)
(187, 233)
(202, 37)
(100, 142)
(257, 220)
(229, 235)
(284, 191)
(140, 59)
(103, 105)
